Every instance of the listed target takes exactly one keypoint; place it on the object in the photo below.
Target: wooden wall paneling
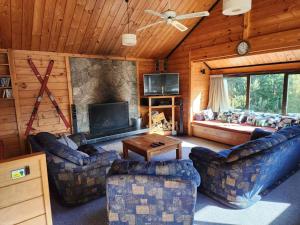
(70, 89)
(47, 119)
(16, 100)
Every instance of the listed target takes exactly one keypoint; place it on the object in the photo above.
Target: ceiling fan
(170, 17)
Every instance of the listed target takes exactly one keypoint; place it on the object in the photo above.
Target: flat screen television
(161, 84)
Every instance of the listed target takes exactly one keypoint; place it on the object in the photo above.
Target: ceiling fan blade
(153, 13)
(150, 25)
(179, 26)
(192, 15)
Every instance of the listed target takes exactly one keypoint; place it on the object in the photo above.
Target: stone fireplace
(97, 81)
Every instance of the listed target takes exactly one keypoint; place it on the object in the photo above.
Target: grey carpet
(279, 207)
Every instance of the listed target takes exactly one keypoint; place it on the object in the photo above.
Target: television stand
(171, 106)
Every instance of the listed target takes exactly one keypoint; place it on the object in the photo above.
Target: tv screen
(161, 84)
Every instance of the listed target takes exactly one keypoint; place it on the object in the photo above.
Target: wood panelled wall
(271, 26)
(28, 87)
(15, 114)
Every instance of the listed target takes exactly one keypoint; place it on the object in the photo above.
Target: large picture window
(266, 92)
(270, 93)
(237, 91)
(293, 94)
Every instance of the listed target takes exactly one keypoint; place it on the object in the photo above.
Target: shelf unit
(153, 107)
(5, 74)
(9, 130)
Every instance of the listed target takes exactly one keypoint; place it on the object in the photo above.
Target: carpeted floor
(280, 207)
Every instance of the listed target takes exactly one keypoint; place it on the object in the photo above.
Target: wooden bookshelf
(5, 79)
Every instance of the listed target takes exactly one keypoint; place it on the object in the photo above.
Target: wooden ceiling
(91, 26)
(261, 59)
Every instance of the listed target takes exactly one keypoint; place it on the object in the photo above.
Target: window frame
(286, 74)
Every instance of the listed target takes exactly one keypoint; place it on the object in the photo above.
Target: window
(293, 94)
(266, 93)
(237, 92)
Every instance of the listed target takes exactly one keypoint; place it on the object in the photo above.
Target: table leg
(179, 152)
(125, 151)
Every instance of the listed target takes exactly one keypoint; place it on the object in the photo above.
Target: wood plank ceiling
(260, 59)
(91, 26)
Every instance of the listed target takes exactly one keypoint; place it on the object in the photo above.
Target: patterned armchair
(152, 192)
(237, 177)
(76, 178)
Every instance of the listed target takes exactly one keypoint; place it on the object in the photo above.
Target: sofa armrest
(205, 154)
(102, 158)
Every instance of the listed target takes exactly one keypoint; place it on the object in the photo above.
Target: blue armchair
(152, 192)
(238, 176)
(76, 177)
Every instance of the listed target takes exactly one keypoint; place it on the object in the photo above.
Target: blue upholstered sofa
(76, 177)
(238, 176)
(152, 192)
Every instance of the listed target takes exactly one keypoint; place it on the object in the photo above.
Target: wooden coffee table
(142, 146)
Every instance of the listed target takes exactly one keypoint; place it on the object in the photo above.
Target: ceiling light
(129, 39)
(236, 7)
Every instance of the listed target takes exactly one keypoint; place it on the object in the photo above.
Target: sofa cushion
(64, 139)
(182, 169)
(45, 138)
(78, 138)
(290, 132)
(63, 151)
(255, 146)
(259, 133)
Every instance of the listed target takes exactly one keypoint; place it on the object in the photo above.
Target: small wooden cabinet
(24, 191)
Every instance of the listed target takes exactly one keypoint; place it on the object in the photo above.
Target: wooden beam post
(246, 29)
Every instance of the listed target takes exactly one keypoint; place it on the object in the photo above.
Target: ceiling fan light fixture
(236, 7)
(129, 39)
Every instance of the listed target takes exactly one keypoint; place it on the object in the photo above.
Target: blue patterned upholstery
(238, 176)
(152, 192)
(76, 178)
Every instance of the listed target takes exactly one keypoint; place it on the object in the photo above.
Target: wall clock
(243, 48)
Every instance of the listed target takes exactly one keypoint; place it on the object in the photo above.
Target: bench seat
(226, 133)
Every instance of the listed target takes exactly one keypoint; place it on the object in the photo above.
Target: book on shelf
(5, 82)
(7, 93)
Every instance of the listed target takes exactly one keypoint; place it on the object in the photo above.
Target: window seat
(226, 133)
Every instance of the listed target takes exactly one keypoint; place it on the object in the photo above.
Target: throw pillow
(68, 142)
(259, 133)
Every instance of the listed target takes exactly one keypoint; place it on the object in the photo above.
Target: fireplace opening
(108, 118)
